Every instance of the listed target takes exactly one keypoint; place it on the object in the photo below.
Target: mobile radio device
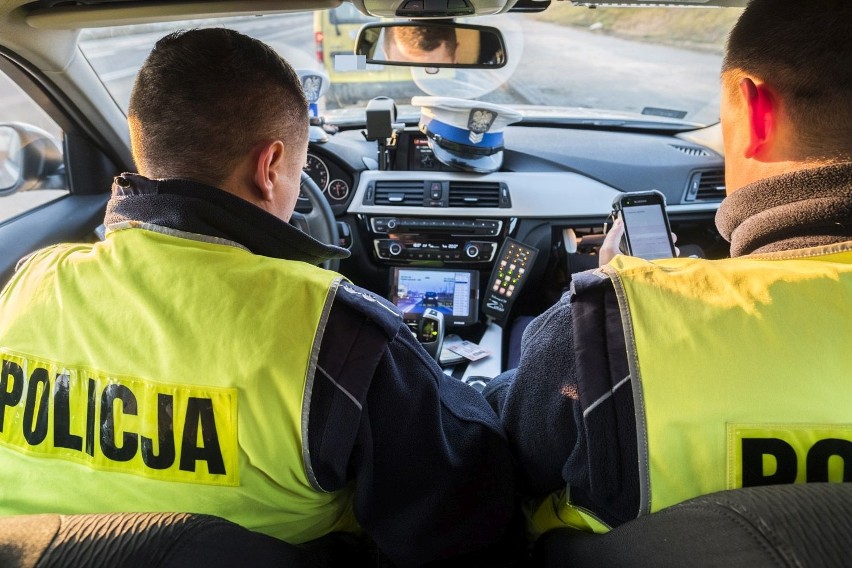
(646, 226)
(511, 271)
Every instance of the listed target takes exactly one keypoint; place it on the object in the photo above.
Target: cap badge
(312, 85)
(479, 121)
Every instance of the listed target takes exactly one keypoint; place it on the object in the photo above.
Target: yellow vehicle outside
(335, 32)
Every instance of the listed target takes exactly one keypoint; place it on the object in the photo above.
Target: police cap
(463, 133)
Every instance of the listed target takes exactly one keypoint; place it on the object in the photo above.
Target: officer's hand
(612, 241)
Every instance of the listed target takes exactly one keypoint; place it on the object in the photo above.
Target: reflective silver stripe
(822, 250)
(172, 233)
(309, 383)
(370, 298)
(340, 387)
(606, 396)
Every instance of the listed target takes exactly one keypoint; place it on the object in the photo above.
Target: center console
(439, 301)
(436, 232)
(442, 263)
(412, 239)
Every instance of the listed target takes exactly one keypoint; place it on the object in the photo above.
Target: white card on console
(469, 350)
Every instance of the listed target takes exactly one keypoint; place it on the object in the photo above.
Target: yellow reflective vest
(155, 372)
(741, 373)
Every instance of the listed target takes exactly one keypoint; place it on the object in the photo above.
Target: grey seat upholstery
(162, 540)
(782, 525)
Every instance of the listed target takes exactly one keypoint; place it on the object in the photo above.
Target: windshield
(655, 64)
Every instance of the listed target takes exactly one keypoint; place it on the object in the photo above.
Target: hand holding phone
(641, 226)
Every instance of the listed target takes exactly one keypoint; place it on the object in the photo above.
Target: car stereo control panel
(449, 240)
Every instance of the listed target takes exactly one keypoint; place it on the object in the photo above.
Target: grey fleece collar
(806, 208)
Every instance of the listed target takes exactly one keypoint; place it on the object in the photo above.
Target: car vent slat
(474, 194)
(690, 150)
(706, 186)
(400, 192)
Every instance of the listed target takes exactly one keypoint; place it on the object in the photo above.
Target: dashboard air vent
(474, 194)
(690, 150)
(400, 192)
(706, 186)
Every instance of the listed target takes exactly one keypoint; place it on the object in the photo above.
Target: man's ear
(267, 168)
(761, 109)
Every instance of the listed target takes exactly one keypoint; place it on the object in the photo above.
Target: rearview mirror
(432, 44)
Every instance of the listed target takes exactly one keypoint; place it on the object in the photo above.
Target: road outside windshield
(655, 62)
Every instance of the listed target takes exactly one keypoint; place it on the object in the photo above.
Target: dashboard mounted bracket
(382, 128)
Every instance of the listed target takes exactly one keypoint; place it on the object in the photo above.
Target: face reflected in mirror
(421, 44)
(432, 45)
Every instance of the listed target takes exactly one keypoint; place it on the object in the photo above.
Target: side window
(32, 168)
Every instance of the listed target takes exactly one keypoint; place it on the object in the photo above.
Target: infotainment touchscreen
(455, 293)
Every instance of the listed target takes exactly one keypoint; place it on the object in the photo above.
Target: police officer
(654, 382)
(198, 360)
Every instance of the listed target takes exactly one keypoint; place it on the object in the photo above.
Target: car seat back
(129, 540)
(779, 525)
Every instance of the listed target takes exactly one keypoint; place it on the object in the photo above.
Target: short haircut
(205, 98)
(803, 49)
(424, 38)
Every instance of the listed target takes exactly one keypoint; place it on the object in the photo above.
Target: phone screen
(647, 231)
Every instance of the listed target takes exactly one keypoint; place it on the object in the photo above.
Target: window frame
(74, 216)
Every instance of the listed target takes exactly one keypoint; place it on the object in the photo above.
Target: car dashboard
(553, 193)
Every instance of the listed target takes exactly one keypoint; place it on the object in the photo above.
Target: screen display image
(422, 157)
(447, 291)
(647, 231)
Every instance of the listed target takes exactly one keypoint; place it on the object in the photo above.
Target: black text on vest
(816, 461)
(96, 414)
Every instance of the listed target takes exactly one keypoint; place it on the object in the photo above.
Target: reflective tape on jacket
(154, 372)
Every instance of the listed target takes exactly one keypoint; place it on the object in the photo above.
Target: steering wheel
(320, 222)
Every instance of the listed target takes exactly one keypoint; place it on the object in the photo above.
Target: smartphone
(646, 226)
